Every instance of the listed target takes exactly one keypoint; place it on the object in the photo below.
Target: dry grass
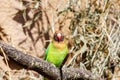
(95, 30)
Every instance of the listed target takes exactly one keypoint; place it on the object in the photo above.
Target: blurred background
(91, 27)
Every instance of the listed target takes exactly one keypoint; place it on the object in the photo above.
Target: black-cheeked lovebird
(57, 49)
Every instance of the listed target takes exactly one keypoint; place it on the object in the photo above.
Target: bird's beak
(59, 37)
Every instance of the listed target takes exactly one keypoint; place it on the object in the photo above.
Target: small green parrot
(57, 49)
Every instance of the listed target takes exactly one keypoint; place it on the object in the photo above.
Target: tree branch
(43, 67)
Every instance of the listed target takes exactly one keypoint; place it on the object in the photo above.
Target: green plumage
(56, 52)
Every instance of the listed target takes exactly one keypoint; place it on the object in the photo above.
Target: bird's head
(58, 36)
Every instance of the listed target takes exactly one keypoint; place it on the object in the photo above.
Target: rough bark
(43, 67)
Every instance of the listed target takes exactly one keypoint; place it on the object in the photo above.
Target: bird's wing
(46, 52)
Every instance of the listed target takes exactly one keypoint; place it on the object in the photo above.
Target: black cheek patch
(55, 37)
(62, 38)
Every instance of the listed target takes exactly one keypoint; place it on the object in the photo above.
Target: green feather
(56, 55)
